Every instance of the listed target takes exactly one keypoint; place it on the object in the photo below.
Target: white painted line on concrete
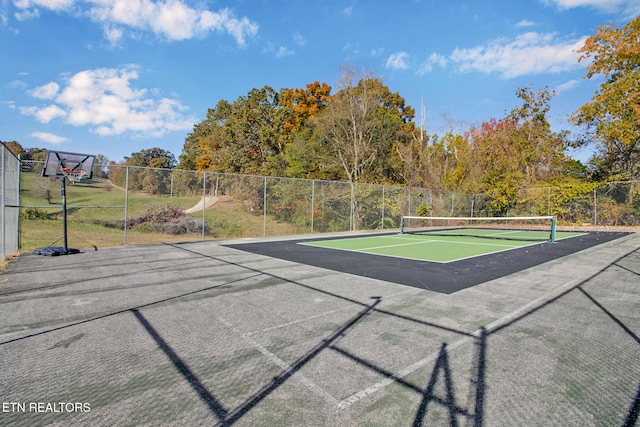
(345, 403)
(273, 358)
(284, 325)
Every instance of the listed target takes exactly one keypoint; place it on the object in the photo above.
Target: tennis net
(525, 228)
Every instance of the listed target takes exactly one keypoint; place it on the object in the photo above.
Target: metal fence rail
(255, 206)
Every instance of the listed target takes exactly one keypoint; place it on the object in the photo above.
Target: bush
(424, 210)
(34, 213)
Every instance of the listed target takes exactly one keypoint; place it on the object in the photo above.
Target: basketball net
(74, 174)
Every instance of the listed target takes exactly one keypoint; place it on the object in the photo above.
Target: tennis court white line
(431, 241)
(326, 313)
(504, 248)
(416, 243)
(392, 246)
(348, 401)
(273, 358)
(504, 245)
(284, 325)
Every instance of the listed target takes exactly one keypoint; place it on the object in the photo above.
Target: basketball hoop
(71, 166)
(74, 174)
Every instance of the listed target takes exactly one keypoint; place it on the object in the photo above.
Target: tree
(14, 147)
(144, 171)
(35, 154)
(100, 169)
(520, 150)
(243, 137)
(361, 124)
(303, 104)
(255, 133)
(359, 129)
(302, 154)
(152, 157)
(612, 117)
(450, 164)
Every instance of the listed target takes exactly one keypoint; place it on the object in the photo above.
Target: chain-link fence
(132, 205)
(9, 201)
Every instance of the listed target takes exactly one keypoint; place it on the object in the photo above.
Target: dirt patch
(227, 203)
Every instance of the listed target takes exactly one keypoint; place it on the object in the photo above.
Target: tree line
(362, 132)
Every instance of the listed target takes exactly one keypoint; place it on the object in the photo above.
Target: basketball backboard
(72, 165)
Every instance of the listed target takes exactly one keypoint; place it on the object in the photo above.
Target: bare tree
(360, 125)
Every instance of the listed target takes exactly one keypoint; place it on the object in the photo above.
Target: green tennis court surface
(443, 245)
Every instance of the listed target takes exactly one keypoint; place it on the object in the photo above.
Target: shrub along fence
(142, 205)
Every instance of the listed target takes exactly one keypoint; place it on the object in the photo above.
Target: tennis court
(219, 333)
(439, 260)
(443, 245)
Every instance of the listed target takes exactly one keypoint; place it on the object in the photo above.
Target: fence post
(382, 208)
(204, 200)
(4, 209)
(264, 208)
(171, 190)
(313, 202)
(453, 198)
(126, 205)
(595, 207)
(473, 201)
(19, 200)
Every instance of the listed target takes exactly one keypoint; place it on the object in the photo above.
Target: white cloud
(398, 61)
(4, 17)
(284, 51)
(567, 86)
(48, 137)
(605, 5)
(298, 39)
(113, 34)
(104, 100)
(436, 58)
(529, 53)
(16, 84)
(44, 114)
(9, 104)
(629, 8)
(56, 5)
(427, 66)
(170, 19)
(348, 11)
(525, 23)
(47, 91)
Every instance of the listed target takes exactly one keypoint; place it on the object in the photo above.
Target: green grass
(85, 226)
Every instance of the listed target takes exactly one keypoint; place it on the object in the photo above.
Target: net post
(401, 225)
(553, 230)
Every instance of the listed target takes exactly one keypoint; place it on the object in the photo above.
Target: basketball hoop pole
(63, 195)
(71, 166)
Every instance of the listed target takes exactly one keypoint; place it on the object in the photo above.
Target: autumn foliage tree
(301, 107)
(241, 137)
(364, 133)
(520, 150)
(612, 117)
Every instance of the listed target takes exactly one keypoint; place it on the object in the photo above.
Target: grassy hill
(93, 204)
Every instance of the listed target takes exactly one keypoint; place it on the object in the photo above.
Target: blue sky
(114, 77)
